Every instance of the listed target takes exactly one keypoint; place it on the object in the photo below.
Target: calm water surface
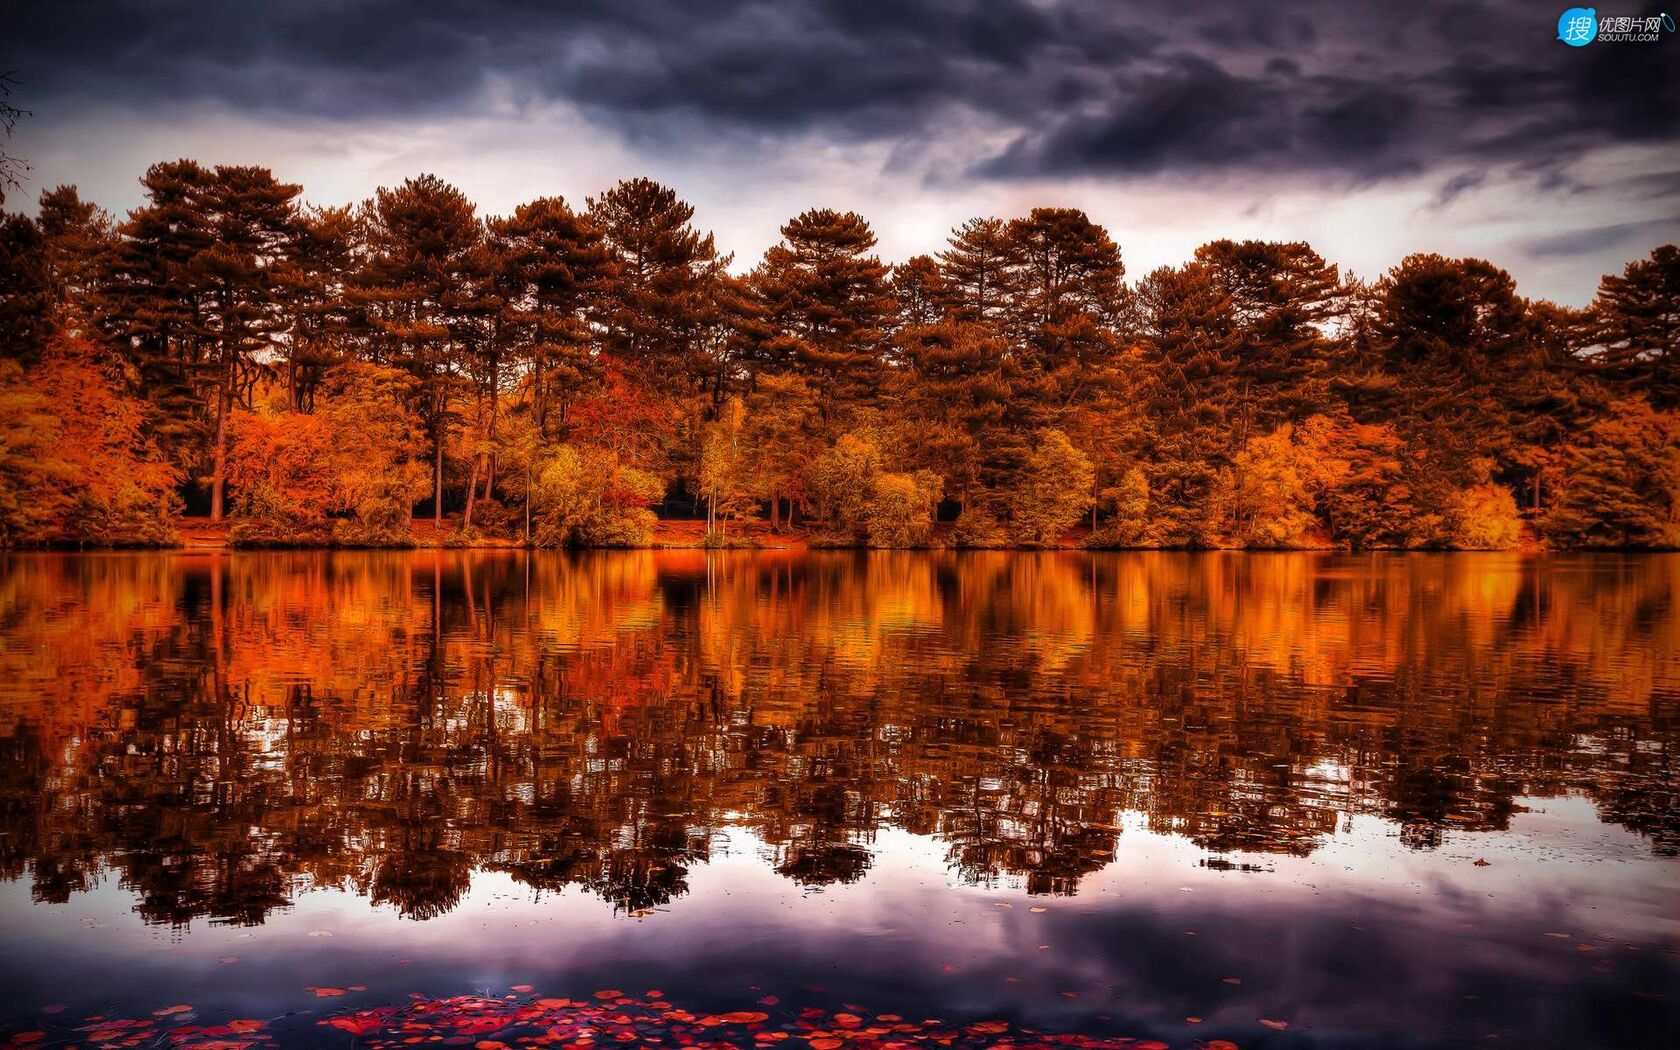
(1308, 800)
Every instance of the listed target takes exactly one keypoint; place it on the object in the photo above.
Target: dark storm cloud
(1075, 88)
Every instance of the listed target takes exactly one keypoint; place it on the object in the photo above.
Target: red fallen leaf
(522, 987)
(989, 1027)
(769, 1000)
(1231, 980)
(1221, 1044)
(552, 1004)
(489, 1044)
(609, 993)
(357, 988)
(1069, 995)
(27, 1037)
(745, 1017)
(847, 1020)
(1480, 863)
(1277, 1025)
(654, 993)
(825, 1044)
(247, 1025)
(1152, 1044)
(325, 993)
(171, 1011)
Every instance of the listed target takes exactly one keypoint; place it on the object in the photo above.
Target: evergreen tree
(250, 216)
(976, 269)
(78, 238)
(657, 297)
(26, 295)
(828, 305)
(1281, 295)
(320, 324)
(558, 271)
(420, 289)
(153, 308)
(1635, 327)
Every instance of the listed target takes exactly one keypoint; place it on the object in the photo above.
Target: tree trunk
(437, 479)
(218, 483)
(472, 494)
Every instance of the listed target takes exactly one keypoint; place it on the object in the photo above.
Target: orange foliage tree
(75, 465)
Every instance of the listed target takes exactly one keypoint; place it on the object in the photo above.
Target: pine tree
(152, 308)
(1281, 296)
(1192, 351)
(558, 271)
(420, 288)
(1634, 326)
(657, 296)
(1065, 283)
(26, 294)
(250, 216)
(951, 397)
(976, 269)
(828, 305)
(320, 323)
(78, 237)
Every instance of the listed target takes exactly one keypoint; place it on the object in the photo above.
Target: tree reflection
(219, 734)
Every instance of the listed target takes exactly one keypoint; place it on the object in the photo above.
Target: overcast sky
(1370, 130)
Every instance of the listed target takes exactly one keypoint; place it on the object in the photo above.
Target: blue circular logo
(1578, 26)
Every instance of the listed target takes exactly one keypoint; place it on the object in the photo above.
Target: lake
(839, 799)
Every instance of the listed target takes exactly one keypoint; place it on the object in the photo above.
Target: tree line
(565, 374)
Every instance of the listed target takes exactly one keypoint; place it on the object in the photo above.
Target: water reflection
(222, 733)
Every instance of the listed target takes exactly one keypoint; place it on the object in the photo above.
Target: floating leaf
(1277, 1025)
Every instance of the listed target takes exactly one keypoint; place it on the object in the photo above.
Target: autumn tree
(1620, 481)
(75, 463)
(1051, 493)
(590, 498)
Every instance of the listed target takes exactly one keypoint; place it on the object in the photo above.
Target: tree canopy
(569, 374)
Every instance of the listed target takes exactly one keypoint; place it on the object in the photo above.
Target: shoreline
(199, 535)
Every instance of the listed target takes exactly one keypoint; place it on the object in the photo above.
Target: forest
(578, 374)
